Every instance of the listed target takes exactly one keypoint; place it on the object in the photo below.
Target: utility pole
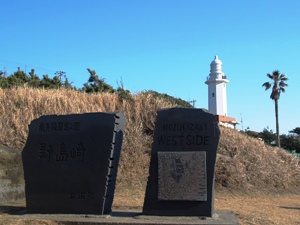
(242, 122)
(193, 101)
(60, 74)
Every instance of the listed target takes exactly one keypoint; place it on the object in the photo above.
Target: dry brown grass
(248, 164)
(250, 209)
(244, 163)
(267, 175)
(256, 208)
(261, 209)
(18, 107)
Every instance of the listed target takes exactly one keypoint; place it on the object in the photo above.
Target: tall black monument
(183, 156)
(70, 163)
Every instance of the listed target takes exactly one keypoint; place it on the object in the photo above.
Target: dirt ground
(262, 209)
(250, 209)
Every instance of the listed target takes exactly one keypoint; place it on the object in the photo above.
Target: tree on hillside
(268, 136)
(123, 94)
(295, 136)
(96, 84)
(17, 79)
(34, 80)
(170, 99)
(290, 142)
(251, 133)
(49, 83)
(295, 131)
(278, 85)
(3, 80)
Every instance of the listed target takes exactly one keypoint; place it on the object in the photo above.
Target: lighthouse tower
(216, 81)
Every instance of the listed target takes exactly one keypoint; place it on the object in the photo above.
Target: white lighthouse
(217, 99)
(216, 81)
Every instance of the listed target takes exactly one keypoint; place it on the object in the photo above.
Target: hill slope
(243, 163)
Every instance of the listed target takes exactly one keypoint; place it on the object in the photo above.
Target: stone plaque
(183, 156)
(70, 163)
(177, 171)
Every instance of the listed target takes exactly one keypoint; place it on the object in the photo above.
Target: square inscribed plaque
(182, 176)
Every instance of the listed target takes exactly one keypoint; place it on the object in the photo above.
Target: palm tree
(278, 81)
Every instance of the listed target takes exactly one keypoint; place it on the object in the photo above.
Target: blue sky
(164, 45)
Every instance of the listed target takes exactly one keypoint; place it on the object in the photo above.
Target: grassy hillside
(243, 163)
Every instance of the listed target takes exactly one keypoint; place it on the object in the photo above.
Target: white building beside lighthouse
(217, 98)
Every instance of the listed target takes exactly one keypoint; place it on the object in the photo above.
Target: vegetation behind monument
(243, 162)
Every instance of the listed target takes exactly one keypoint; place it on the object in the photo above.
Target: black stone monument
(70, 163)
(183, 156)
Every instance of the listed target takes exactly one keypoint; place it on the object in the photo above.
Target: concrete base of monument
(119, 217)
